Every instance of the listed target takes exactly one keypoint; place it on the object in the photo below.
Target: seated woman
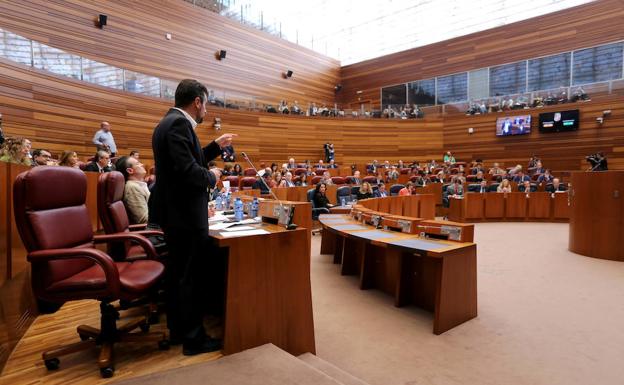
(504, 186)
(320, 197)
(69, 159)
(15, 150)
(365, 191)
(237, 170)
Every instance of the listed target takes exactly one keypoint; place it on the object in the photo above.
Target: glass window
(168, 89)
(15, 47)
(597, 64)
(141, 83)
(394, 95)
(508, 79)
(56, 61)
(478, 84)
(549, 72)
(453, 88)
(421, 92)
(102, 74)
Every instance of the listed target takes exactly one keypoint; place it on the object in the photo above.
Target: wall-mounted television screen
(559, 121)
(513, 125)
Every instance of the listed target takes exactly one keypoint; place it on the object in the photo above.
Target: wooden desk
(538, 206)
(268, 295)
(440, 276)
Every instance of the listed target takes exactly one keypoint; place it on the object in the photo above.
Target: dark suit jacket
(551, 188)
(182, 177)
(93, 166)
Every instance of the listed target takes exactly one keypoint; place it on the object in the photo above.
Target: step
(263, 365)
(331, 370)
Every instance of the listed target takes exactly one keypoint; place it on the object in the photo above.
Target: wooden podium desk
(268, 294)
(437, 275)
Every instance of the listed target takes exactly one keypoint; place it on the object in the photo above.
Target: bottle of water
(219, 202)
(343, 201)
(227, 200)
(238, 209)
(254, 208)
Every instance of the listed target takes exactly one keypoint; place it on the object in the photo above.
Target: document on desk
(243, 233)
(239, 228)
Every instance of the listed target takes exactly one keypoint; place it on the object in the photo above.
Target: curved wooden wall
(587, 25)
(134, 38)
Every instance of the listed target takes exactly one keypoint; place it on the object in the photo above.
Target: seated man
(526, 186)
(521, 178)
(136, 193)
(259, 185)
(381, 191)
(454, 190)
(356, 178)
(545, 178)
(43, 158)
(332, 164)
(100, 162)
(556, 186)
(479, 177)
(287, 181)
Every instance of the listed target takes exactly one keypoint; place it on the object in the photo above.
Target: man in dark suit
(180, 203)
(556, 186)
(100, 162)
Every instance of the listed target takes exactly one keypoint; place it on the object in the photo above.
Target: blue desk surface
(419, 244)
(348, 227)
(375, 234)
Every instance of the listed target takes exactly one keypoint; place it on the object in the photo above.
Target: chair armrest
(99, 257)
(147, 246)
(139, 226)
(322, 210)
(146, 233)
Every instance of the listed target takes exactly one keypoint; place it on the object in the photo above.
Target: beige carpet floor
(546, 317)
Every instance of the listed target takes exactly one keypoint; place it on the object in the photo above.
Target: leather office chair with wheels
(316, 211)
(343, 192)
(55, 228)
(395, 188)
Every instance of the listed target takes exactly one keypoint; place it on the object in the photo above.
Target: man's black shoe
(209, 345)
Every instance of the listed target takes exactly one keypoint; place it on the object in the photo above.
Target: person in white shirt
(103, 139)
(136, 192)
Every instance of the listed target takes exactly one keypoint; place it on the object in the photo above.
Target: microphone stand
(290, 225)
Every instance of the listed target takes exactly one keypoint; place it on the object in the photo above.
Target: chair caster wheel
(52, 363)
(107, 372)
(145, 327)
(163, 345)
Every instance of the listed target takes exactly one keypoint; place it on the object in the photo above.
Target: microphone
(290, 225)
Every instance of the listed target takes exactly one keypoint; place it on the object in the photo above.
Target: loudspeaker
(222, 54)
(102, 19)
(289, 73)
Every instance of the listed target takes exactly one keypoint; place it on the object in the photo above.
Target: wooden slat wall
(58, 113)
(135, 39)
(578, 27)
(559, 151)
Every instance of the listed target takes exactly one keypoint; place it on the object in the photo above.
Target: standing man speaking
(180, 206)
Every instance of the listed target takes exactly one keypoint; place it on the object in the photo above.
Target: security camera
(600, 120)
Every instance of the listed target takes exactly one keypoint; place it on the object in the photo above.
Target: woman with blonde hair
(69, 159)
(504, 186)
(15, 150)
(365, 191)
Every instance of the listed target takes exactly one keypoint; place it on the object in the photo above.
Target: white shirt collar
(187, 116)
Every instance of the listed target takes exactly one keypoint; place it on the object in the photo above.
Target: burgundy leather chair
(246, 183)
(114, 217)
(249, 172)
(55, 228)
(370, 179)
(234, 181)
(338, 180)
(315, 180)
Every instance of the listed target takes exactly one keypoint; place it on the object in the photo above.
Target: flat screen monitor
(559, 121)
(513, 125)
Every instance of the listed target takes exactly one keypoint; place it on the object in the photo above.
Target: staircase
(263, 365)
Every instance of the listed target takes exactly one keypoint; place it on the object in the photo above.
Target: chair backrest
(494, 187)
(474, 187)
(343, 191)
(370, 179)
(316, 179)
(404, 171)
(234, 181)
(349, 180)
(395, 188)
(82, 165)
(247, 182)
(52, 218)
(249, 172)
(471, 178)
(338, 180)
(355, 190)
(299, 171)
(320, 171)
(111, 209)
(310, 196)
